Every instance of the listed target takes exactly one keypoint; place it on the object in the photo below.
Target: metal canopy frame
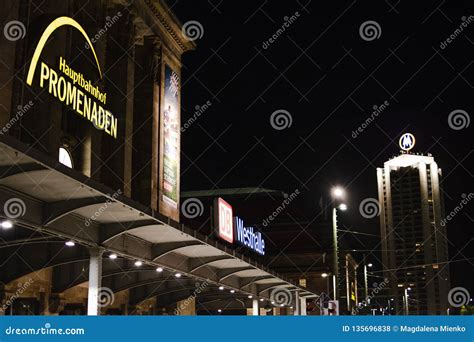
(61, 202)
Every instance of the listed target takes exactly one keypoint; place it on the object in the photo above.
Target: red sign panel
(224, 220)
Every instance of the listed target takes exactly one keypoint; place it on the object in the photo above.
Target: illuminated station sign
(232, 229)
(70, 86)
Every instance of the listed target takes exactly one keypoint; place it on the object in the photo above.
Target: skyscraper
(414, 242)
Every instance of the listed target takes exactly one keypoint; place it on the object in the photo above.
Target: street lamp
(405, 297)
(337, 193)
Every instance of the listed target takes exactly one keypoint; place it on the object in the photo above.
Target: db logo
(224, 220)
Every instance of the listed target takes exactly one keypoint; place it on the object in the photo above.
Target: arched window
(65, 157)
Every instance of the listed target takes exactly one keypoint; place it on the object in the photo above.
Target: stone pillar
(255, 309)
(95, 281)
(297, 310)
(303, 306)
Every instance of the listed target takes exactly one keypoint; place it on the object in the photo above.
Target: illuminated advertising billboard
(170, 144)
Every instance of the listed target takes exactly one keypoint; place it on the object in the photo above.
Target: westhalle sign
(232, 229)
(70, 86)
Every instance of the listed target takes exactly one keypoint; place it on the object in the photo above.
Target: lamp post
(405, 297)
(337, 193)
(366, 286)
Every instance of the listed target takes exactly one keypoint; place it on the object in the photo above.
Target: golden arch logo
(57, 23)
(70, 86)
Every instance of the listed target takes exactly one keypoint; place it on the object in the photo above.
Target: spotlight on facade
(113, 256)
(343, 207)
(138, 263)
(370, 265)
(70, 243)
(159, 269)
(219, 311)
(221, 288)
(178, 275)
(232, 291)
(324, 275)
(250, 296)
(7, 224)
(261, 299)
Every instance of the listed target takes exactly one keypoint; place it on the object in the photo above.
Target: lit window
(65, 157)
(302, 282)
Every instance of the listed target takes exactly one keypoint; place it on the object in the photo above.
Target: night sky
(328, 79)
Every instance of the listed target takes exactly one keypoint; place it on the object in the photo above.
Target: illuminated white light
(219, 310)
(343, 207)
(65, 157)
(70, 243)
(221, 288)
(232, 291)
(138, 263)
(178, 275)
(261, 299)
(159, 269)
(7, 224)
(113, 256)
(409, 289)
(370, 265)
(338, 192)
(282, 305)
(324, 275)
(273, 302)
(250, 296)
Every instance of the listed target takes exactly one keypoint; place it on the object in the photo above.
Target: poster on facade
(170, 143)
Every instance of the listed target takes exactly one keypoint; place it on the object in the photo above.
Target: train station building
(90, 173)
